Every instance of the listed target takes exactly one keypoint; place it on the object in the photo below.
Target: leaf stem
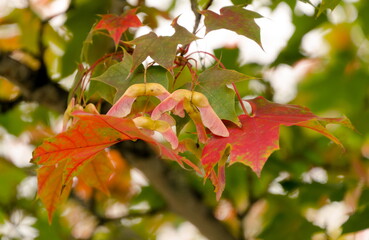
(239, 98)
(145, 79)
(193, 76)
(176, 77)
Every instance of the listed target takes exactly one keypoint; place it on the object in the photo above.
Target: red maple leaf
(90, 135)
(50, 187)
(65, 155)
(258, 137)
(98, 172)
(117, 25)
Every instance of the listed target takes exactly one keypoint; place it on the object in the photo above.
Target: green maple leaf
(64, 156)
(162, 49)
(213, 84)
(119, 77)
(234, 18)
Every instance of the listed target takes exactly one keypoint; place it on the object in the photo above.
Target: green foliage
(24, 117)
(11, 176)
(212, 83)
(80, 18)
(285, 212)
(117, 76)
(355, 223)
(162, 49)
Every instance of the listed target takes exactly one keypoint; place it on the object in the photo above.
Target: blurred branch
(8, 105)
(103, 220)
(35, 85)
(174, 188)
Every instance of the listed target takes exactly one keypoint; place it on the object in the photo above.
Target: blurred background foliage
(310, 189)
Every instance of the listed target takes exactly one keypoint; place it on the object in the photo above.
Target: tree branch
(8, 105)
(35, 85)
(174, 189)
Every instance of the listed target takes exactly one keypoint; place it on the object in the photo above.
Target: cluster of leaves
(304, 177)
(164, 99)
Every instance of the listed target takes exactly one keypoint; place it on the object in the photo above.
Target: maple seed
(124, 104)
(198, 108)
(194, 114)
(91, 108)
(73, 107)
(158, 125)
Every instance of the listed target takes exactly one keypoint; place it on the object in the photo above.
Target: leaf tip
(50, 215)
(257, 172)
(175, 21)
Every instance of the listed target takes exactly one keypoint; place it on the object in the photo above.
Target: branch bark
(181, 198)
(8, 105)
(35, 85)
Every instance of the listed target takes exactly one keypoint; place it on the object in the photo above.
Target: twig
(195, 10)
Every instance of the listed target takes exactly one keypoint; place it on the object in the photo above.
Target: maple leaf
(97, 172)
(90, 135)
(258, 137)
(49, 191)
(163, 48)
(86, 138)
(120, 182)
(118, 75)
(65, 155)
(213, 84)
(82, 190)
(117, 25)
(234, 18)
